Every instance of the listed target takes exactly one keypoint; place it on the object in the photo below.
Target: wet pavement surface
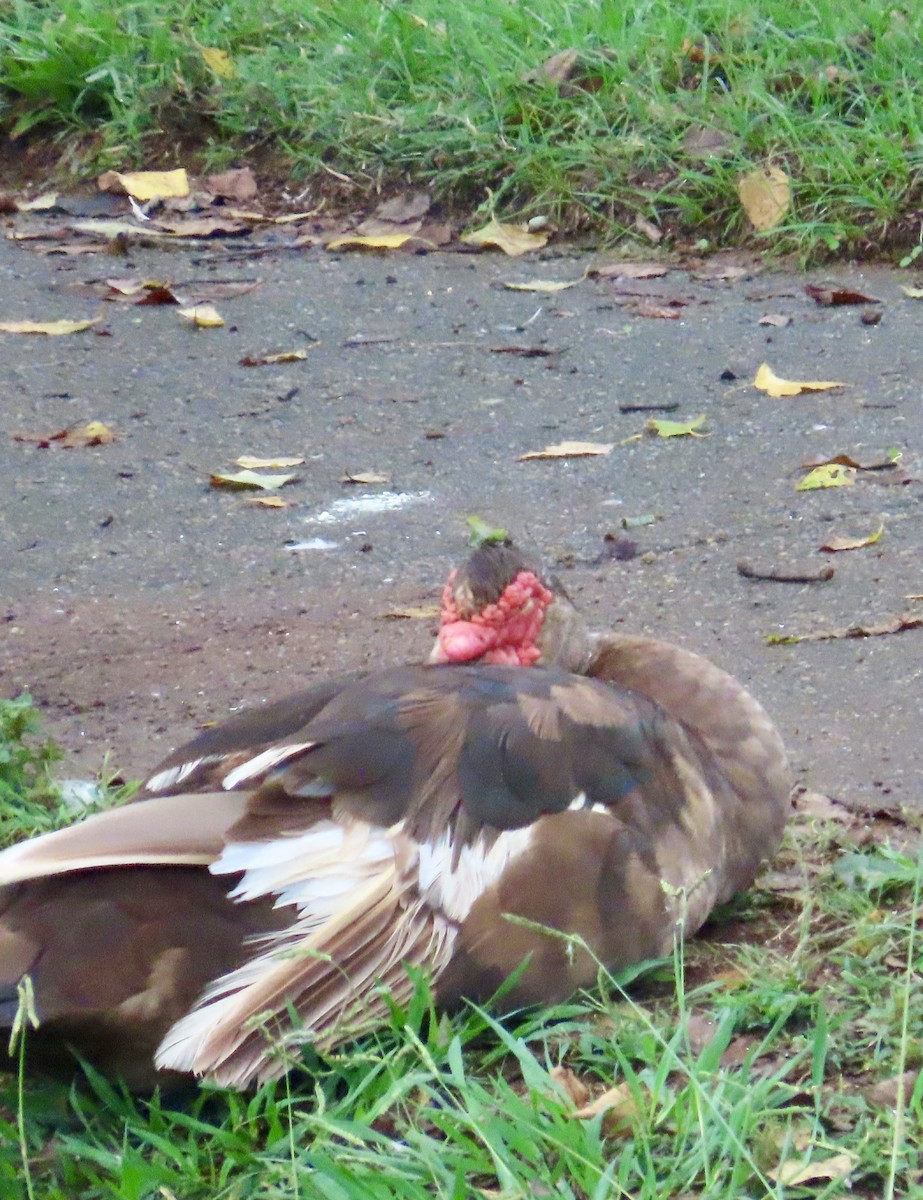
(137, 602)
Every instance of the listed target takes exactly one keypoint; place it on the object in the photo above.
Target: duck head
(498, 607)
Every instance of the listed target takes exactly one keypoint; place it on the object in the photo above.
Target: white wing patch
(257, 766)
(453, 890)
(175, 775)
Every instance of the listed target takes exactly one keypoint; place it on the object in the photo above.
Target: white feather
(261, 763)
(174, 775)
(454, 889)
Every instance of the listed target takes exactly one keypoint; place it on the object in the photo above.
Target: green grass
(814, 986)
(363, 95)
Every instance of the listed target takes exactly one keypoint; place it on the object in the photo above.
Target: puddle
(368, 504)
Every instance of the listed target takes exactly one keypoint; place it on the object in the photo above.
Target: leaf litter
(835, 544)
(94, 433)
(250, 480)
(569, 450)
(49, 328)
(767, 381)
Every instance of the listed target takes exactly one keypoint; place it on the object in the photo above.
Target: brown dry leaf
(766, 195)
(569, 450)
(246, 480)
(884, 1093)
(406, 207)
(250, 463)
(700, 141)
(645, 309)
(572, 1084)
(386, 241)
(629, 271)
(898, 624)
(237, 184)
(556, 70)
(268, 360)
(700, 1032)
(423, 612)
(779, 320)
(835, 544)
(795, 1172)
(146, 185)
(652, 232)
(201, 292)
(767, 381)
(543, 285)
(828, 297)
(511, 239)
(218, 62)
(828, 476)
(816, 804)
(50, 328)
(197, 227)
(667, 429)
(619, 1109)
(375, 227)
(914, 293)
(365, 477)
(94, 433)
(270, 502)
(202, 316)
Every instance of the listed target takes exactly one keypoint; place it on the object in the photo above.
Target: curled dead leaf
(94, 433)
(569, 450)
(246, 480)
(50, 328)
(250, 463)
(146, 185)
(767, 381)
(628, 270)
(543, 285)
(511, 239)
(618, 1107)
(365, 477)
(795, 1172)
(766, 196)
(269, 502)
(202, 316)
(384, 241)
(835, 544)
(828, 297)
(268, 360)
(572, 1084)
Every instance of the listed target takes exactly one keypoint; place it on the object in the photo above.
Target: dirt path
(138, 602)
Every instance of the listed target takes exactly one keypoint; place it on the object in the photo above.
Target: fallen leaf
(914, 293)
(270, 502)
(249, 463)
(766, 196)
(795, 1172)
(366, 477)
(244, 480)
(779, 320)
(569, 450)
(198, 227)
(652, 232)
(511, 239)
(403, 208)
(146, 185)
(898, 624)
(39, 204)
(767, 381)
(111, 230)
(525, 351)
(573, 1086)
(202, 316)
(816, 804)
(205, 290)
(700, 141)
(667, 429)
(629, 271)
(266, 360)
(237, 184)
(835, 544)
(386, 241)
(480, 532)
(218, 62)
(543, 285)
(830, 475)
(425, 612)
(555, 70)
(618, 1107)
(645, 309)
(375, 227)
(885, 1093)
(830, 296)
(94, 433)
(51, 328)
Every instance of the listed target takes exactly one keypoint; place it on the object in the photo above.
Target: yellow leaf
(203, 316)
(146, 185)
(569, 450)
(765, 195)
(218, 61)
(853, 543)
(266, 360)
(365, 477)
(543, 285)
(52, 328)
(425, 612)
(619, 1109)
(39, 204)
(270, 502)
(829, 475)
(249, 479)
(795, 1172)
(668, 429)
(767, 381)
(912, 292)
(249, 463)
(511, 239)
(385, 241)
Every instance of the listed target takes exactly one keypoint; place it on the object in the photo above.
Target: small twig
(665, 407)
(780, 575)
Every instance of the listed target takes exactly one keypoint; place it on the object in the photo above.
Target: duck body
(282, 868)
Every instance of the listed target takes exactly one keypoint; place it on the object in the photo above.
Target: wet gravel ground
(138, 602)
